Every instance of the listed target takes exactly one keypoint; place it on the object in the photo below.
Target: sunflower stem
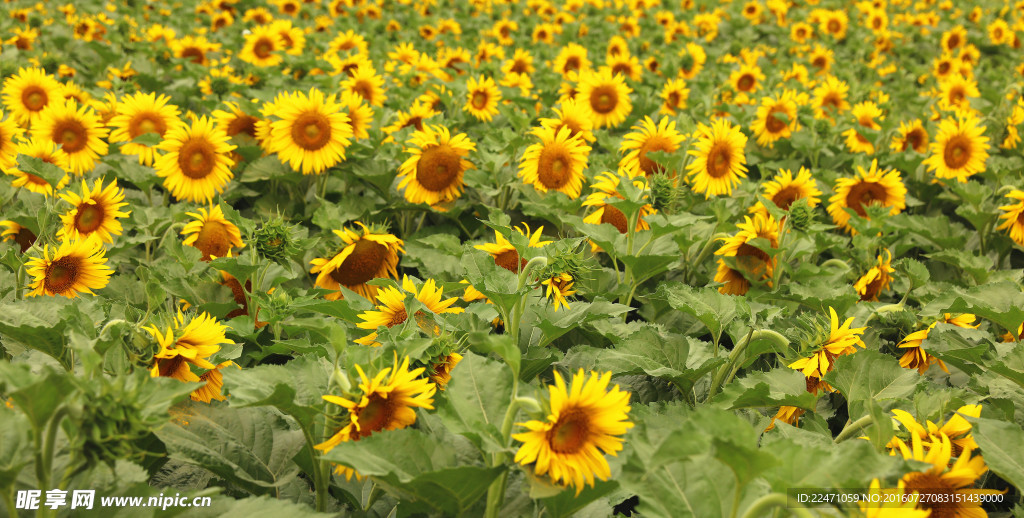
(852, 429)
(496, 493)
(706, 249)
(769, 501)
(734, 356)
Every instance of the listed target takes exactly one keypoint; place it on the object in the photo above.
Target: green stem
(524, 277)
(852, 429)
(496, 492)
(836, 262)
(762, 505)
(375, 493)
(707, 248)
(51, 437)
(726, 373)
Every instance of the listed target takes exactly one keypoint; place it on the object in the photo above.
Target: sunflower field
(511, 258)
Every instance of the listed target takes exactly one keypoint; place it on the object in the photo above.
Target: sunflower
(440, 371)
(959, 150)
(370, 255)
(194, 49)
(505, 254)
(234, 121)
(212, 233)
(877, 280)
(414, 118)
(830, 98)
(95, 211)
(574, 116)
(674, 95)
(556, 163)
(784, 189)
(262, 47)
(866, 188)
(865, 114)
(607, 186)
(719, 160)
(821, 58)
(139, 114)
(197, 162)
(747, 79)
(957, 429)
(586, 422)
(391, 310)
(558, 288)
(954, 38)
(22, 236)
(692, 59)
(28, 92)
(312, 132)
(948, 485)
(842, 340)
(801, 32)
(1014, 216)
(572, 58)
(433, 174)
(482, 98)
(10, 133)
(77, 266)
(520, 63)
(753, 263)
(213, 381)
(912, 135)
(915, 357)
(956, 92)
(47, 151)
(78, 130)
(776, 118)
(387, 402)
(605, 97)
(360, 115)
(368, 85)
(787, 414)
(647, 137)
(625, 65)
(184, 345)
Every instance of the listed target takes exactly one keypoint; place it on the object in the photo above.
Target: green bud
(276, 240)
(801, 215)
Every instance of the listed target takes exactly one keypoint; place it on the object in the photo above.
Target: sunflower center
(954, 42)
(366, 259)
(944, 68)
(70, 134)
(819, 62)
(772, 123)
(62, 274)
(574, 127)
(604, 99)
(375, 415)
(745, 83)
(510, 260)
(914, 139)
(570, 433)
(197, 158)
(654, 143)
(864, 193)
(34, 98)
(519, 66)
(751, 260)
(263, 48)
(622, 68)
(957, 152)
(873, 288)
(89, 218)
(311, 131)
(438, 167)
(416, 122)
(615, 218)
(833, 26)
(213, 240)
(832, 101)
(553, 168)
(933, 485)
(719, 160)
(364, 90)
(956, 95)
(242, 124)
(194, 54)
(786, 196)
(146, 123)
(168, 367)
(673, 99)
(479, 100)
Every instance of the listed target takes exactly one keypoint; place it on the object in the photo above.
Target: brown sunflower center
(944, 67)
(570, 433)
(745, 83)
(786, 196)
(172, 367)
(819, 62)
(915, 139)
(364, 90)
(480, 100)
(438, 167)
(61, 275)
(399, 317)
(615, 218)
(873, 288)
(510, 260)
(89, 218)
(263, 48)
(801, 33)
(366, 260)
(957, 152)
(554, 167)
(213, 240)
(832, 101)
(834, 27)
(519, 66)
(866, 121)
(604, 99)
(34, 98)
(146, 123)
(25, 239)
(953, 42)
(311, 131)
(375, 415)
(938, 490)
(865, 193)
(622, 68)
(674, 98)
(574, 127)
(194, 54)
(653, 143)
(242, 124)
(196, 158)
(416, 122)
(719, 160)
(772, 123)
(70, 134)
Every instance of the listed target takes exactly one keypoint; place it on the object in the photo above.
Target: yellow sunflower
(194, 49)
(830, 98)
(776, 118)
(957, 429)
(312, 132)
(47, 151)
(213, 381)
(10, 134)
(78, 130)
(586, 422)
(572, 58)
(370, 255)
(574, 116)
(77, 266)
(605, 97)
(877, 280)
(718, 162)
(139, 114)
(1014, 216)
(235, 121)
(960, 149)
(212, 233)
(692, 59)
(414, 118)
(912, 135)
(482, 98)
(360, 115)
(884, 188)
(674, 96)
(842, 340)
(185, 345)
(556, 163)
(747, 79)
(864, 114)
(787, 414)
(197, 161)
(607, 186)
(95, 211)
(440, 371)
(889, 506)
(28, 92)
(956, 92)
(368, 85)
(388, 402)
(558, 288)
(915, 357)
(22, 236)
(784, 189)
(391, 310)
(262, 47)
(505, 254)
(647, 137)
(753, 263)
(433, 174)
(943, 480)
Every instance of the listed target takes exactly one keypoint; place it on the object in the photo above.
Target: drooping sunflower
(753, 263)
(605, 97)
(864, 113)
(213, 381)
(889, 506)
(915, 357)
(10, 134)
(415, 117)
(312, 133)
(830, 98)
(197, 161)
(440, 371)
(370, 255)
(674, 96)
(877, 280)
(235, 121)
(956, 429)
(946, 487)
(505, 254)
(22, 236)
(95, 211)
(47, 151)
(78, 130)
(556, 163)
(718, 162)
(784, 189)
(212, 233)
(482, 98)
(194, 48)
(388, 402)
(76, 266)
(869, 187)
(433, 174)
(842, 340)
(787, 414)
(185, 345)
(28, 92)
(647, 137)
(574, 116)
(960, 149)
(776, 118)
(912, 135)
(139, 114)
(586, 422)
(1014, 216)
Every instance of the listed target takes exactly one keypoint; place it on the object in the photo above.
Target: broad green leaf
(498, 344)
(1000, 443)
(978, 267)
(869, 375)
(15, 446)
(38, 323)
(476, 399)
(712, 308)
(295, 388)
(566, 503)
(50, 173)
(550, 324)
(777, 387)
(1001, 302)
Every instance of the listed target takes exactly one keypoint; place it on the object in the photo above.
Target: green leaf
(150, 139)
(881, 429)
(295, 388)
(551, 324)
(476, 400)
(1000, 444)
(15, 447)
(914, 270)
(566, 503)
(868, 375)
(45, 170)
(777, 387)
(1001, 302)
(978, 267)
(38, 323)
(712, 308)
(501, 345)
